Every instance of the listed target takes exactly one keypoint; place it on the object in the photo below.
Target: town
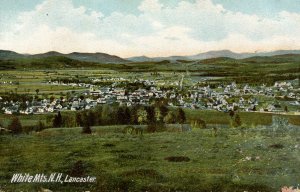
(283, 96)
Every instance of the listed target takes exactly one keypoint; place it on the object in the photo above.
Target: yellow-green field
(255, 160)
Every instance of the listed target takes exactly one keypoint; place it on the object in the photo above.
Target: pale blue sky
(149, 27)
(260, 7)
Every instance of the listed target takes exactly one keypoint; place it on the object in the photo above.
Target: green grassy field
(233, 160)
(250, 70)
(209, 116)
(247, 118)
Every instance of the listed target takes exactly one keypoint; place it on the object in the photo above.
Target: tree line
(120, 115)
(155, 116)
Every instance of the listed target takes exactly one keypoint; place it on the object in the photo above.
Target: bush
(78, 169)
(276, 146)
(86, 129)
(177, 159)
(108, 145)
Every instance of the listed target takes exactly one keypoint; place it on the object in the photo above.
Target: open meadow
(254, 159)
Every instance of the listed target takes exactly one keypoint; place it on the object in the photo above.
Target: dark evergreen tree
(91, 118)
(15, 125)
(57, 121)
(59, 117)
(237, 121)
(86, 129)
(78, 119)
(180, 116)
(120, 116)
(150, 114)
(127, 116)
(231, 113)
(163, 110)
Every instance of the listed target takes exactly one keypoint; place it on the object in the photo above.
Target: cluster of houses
(84, 85)
(222, 98)
(8, 83)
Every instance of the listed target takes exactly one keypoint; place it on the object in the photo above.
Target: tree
(180, 116)
(127, 116)
(86, 124)
(91, 118)
(106, 114)
(170, 117)
(163, 110)
(158, 115)
(123, 116)
(120, 116)
(15, 125)
(237, 120)
(231, 113)
(22, 106)
(78, 119)
(134, 115)
(98, 115)
(37, 91)
(150, 114)
(142, 116)
(57, 121)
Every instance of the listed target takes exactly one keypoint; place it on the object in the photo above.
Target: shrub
(177, 159)
(78, 169)
(86, 129)
(108, 145)
(276, 146)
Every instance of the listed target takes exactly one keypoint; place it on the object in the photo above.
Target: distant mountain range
(106, 58)
(87, 57)
(214, 54)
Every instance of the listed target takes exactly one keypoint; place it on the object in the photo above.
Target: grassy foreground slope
(252, 160)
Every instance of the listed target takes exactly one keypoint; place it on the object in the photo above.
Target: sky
(149, 27)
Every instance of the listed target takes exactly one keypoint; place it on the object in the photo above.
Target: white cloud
(158, 30)
(151, 6)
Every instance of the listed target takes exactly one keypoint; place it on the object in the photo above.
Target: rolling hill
(54, 60)
(51, 62)
(88, 57)
(214, 54)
